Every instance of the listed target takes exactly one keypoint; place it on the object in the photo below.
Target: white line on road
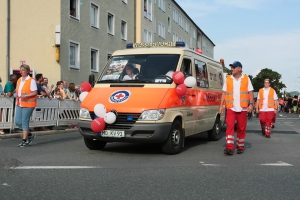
(279, 163)
(214, 165)
(55, 167)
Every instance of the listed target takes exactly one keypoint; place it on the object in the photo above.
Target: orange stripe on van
(141, 99)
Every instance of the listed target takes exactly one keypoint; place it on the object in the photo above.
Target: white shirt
(126, 77)
(33, 86)
(265, 101)
(236, 93)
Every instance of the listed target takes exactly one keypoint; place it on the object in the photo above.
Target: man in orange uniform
(238, 96)
(268, 106)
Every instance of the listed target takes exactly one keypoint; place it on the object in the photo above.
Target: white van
(147, 107)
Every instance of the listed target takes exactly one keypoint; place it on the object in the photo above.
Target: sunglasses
(233, 67)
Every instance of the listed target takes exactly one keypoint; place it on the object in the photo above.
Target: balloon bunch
(102, 117)
(85, 89)
(182, 82)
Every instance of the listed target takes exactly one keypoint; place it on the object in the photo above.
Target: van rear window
(142, 68)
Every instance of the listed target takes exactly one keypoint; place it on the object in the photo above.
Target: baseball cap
(236, 64)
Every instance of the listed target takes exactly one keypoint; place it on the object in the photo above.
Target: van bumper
(134, 133)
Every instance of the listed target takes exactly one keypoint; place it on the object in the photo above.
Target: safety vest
(29, 102)
(244, 93)
(271, 101)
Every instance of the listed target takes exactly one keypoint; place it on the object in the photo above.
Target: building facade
(71, 39)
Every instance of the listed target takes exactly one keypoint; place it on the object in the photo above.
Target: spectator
(72, 92)
(56, 94)
(295, 104)
(41, 91)
(77, 90)
(65, 88)
(9, 88)
(45, 85)
(26, 102)
(289, 104)
(281, 105)
(59, 85)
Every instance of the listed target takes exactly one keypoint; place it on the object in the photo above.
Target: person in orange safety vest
(238, 96)
(25, 103)
(268, 105)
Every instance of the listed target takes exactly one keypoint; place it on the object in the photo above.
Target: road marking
(279, 163)
(214, 165)
(55, 167)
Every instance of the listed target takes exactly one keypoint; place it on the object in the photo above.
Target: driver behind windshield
(129, 72)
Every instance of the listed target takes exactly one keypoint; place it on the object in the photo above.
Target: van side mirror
(92, 79)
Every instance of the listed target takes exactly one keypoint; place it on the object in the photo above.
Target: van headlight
(152, 114)
(84, 113)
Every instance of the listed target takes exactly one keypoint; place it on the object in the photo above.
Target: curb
(50, 132)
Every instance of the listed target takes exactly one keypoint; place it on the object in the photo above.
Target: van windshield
(142, 68)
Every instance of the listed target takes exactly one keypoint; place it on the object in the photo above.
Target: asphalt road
(61, 167)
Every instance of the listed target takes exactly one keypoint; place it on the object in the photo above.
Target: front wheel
(94, 144)
(214, 133)
(175, 140)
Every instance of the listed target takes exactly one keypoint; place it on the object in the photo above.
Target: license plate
(111, 133)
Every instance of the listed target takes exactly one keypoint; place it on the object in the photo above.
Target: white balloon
(190, 81)
(100, 110)
(82, 96)
(170, 74)
(110, 117)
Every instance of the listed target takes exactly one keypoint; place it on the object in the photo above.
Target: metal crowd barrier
(6, 113)
(48, 112)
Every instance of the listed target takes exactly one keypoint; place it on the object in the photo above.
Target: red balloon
(178, 77)
(86, 87)
(181, 90)
(199, 50)
(98, 125)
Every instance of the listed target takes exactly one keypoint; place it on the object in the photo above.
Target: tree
(258, 81)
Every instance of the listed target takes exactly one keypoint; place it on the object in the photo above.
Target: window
(108, 56)
(180, 20)
(148, 9)
(161, 30)
(191, 42)
(110, 23)
(94, 59)
(74, 55)
(161, 4)
(176, 16)
(186, 67)
(169, 5)
(154, 25)
(74, 9)
(194, 34)
(94, 15)
(124, 1)
(147, 36)
(201, 74)
(169, 24)
(123, 30)
(187, 25)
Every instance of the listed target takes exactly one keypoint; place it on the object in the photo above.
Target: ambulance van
(143, 97)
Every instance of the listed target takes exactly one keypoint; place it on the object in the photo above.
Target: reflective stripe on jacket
(244, 93)
(271, 101)
(29, 102)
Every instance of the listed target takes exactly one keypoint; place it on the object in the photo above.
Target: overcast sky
(258, 33)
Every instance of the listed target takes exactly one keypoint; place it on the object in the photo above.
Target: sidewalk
(49, 132)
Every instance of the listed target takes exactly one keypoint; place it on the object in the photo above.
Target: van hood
(125, 100)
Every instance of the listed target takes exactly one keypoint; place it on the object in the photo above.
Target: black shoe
(239, 151)
(268, 136)
(228, 152)
(273, 126)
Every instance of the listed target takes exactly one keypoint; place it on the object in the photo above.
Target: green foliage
(258, 81)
